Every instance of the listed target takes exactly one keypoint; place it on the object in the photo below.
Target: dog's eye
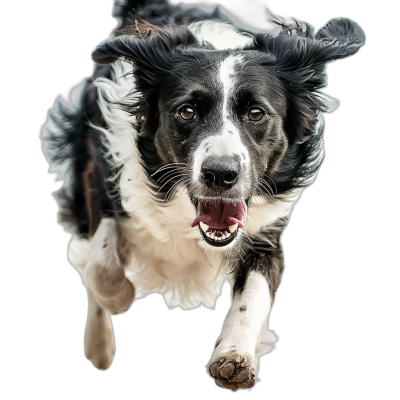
(255, 114)
(187, 113)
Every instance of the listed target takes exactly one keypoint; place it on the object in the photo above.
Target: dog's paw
(233, 370)
(99, 341)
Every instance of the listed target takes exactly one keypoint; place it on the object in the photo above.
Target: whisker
(178, 186)
(268, 176)
(248, 238)
(165, 176)
(181, 196)
(171, 191)
(268, 192)
(260, 184)
(169, 180)
(257, 200)
(171, 165)
(266, 183)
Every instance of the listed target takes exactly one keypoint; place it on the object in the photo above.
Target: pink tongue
(220, 216)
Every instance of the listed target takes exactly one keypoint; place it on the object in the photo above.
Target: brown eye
(187, 113)
(255, 114)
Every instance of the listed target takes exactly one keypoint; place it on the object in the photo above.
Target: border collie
(182, 157)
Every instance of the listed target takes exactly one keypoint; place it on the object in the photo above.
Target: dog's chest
(166, 255)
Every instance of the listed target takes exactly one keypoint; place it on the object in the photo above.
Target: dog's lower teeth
(218, 235)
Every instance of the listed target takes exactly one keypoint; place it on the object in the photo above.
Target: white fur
(221, 35)
(227, 77)
(246, 331)
(263, 213)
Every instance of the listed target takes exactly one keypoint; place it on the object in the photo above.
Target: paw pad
(233, 371)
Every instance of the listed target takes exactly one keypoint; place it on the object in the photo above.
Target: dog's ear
(339, 38)
(299, 61)
(111, 50)
(139, 37)
(288, 52)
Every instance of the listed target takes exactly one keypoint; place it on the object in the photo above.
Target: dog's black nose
(220, 172)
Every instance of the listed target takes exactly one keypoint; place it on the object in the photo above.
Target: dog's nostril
(209, 177)
(229, 177)
(220, 173)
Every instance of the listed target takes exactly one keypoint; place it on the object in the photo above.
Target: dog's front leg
(234, 360)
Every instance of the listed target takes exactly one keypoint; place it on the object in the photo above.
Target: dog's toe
(233, 371)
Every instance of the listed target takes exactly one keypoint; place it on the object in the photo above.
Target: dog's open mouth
(219, 223)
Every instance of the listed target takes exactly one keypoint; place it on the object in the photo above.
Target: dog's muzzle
(219, 217)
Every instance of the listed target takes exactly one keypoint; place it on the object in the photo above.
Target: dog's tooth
(233, 228)
(204, 226)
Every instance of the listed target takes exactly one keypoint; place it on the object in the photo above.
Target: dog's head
(229, 123)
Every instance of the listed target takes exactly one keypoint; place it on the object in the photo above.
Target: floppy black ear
(339, 38)
(299, 62)
(135, 29)
(111, 50)
(139, 38)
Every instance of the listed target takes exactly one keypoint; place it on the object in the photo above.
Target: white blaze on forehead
(221, 35)
(227, 142)
(227, 77)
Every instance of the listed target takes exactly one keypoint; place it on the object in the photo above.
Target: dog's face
(220, 122)
(223, 122)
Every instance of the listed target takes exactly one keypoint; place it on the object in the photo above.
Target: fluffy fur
(182, 158)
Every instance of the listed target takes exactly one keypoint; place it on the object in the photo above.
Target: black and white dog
(182, 158)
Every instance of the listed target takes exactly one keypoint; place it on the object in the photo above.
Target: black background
(325, 306)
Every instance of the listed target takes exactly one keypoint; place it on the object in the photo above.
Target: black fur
(74, 150)
(264, 256)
